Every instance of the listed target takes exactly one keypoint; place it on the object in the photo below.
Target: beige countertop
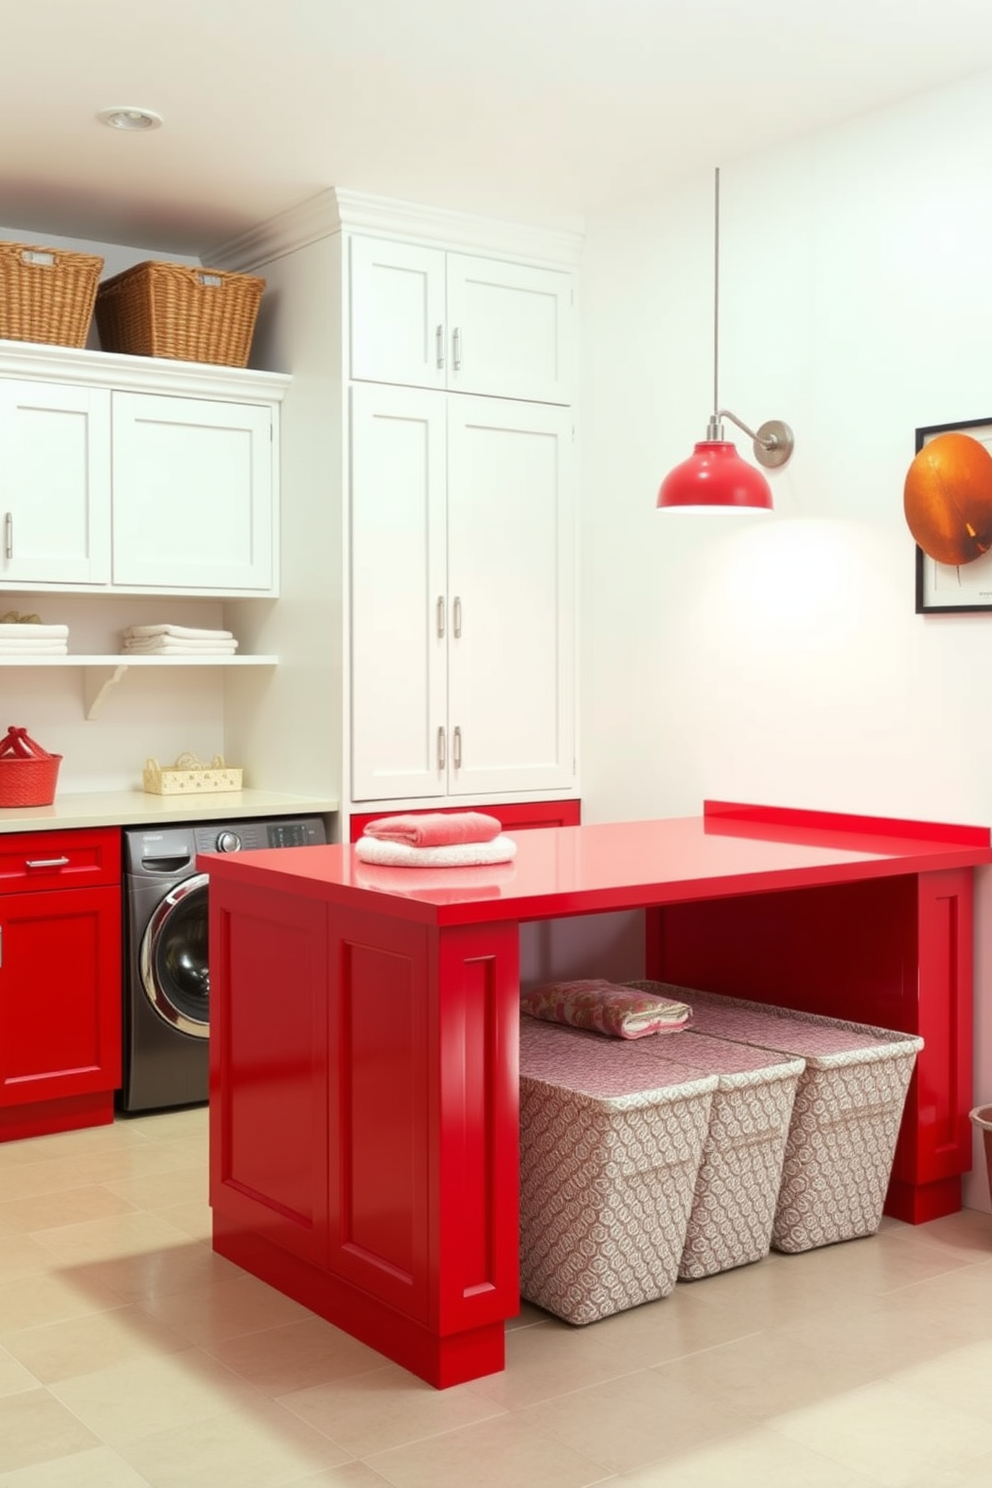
(135, 807)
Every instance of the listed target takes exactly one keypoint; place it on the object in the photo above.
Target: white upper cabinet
(192, 494)
(54, 483)
(429, 318)
(132, 475)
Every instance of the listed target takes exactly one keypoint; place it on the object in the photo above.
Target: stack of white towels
(31, 638)
(176, 640)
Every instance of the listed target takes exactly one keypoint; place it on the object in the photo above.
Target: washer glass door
(173, 958)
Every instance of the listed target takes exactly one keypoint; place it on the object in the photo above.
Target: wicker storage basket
(175, 310)
(28, 773)
(46, 294)
(190, 777)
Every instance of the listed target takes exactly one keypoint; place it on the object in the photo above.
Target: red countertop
(732, 849)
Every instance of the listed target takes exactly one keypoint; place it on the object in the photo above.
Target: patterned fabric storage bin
(611, 1139)
(733, 1209)
(845, 1120)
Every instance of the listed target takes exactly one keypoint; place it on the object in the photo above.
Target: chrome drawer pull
(45, 862)
(442, 754)
(458, 747)
(439, 346)
(457, 617)
(440, 616)
(8, 535)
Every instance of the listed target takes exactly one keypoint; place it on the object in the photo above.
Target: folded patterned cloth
(180, 632)
(435, 828)
(453, 855)
(605, 1007)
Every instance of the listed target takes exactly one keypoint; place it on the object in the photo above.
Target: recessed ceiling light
(124, 117)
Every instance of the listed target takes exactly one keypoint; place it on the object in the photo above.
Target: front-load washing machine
(166, 971)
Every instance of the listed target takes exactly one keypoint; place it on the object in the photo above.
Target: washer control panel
(248, 836)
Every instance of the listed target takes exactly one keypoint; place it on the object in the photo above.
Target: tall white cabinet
(462, 518)
(430, 434)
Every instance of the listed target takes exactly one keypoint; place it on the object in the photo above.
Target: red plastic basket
(28, 773)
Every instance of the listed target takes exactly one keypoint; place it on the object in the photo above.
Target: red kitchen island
(364, 1030)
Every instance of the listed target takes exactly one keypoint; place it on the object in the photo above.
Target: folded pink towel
(435, 828)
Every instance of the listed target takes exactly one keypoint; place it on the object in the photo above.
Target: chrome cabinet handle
(456, 348)
(440, 617)
(45, 862)
(439, 345)
(456, 617)
(8, 535)
(442, 753)
(458, 746)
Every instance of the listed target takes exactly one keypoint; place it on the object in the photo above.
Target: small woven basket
(47, 294)
(175, 310)
(189, 775)
(28, 773)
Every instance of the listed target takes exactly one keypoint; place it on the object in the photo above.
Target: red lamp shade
(715, 478)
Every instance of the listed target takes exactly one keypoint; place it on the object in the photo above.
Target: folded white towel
(165, 647)
(10, 629)
(180, 632)
(40, 648)
(459, 855)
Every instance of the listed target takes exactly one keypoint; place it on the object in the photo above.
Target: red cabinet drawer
(513, 816)
(80, 858)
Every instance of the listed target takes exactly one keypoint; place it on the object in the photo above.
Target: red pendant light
(715, 478)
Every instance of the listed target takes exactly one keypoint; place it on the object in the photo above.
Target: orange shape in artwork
(948, 499)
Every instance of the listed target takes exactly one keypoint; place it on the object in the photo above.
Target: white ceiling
(540, 109)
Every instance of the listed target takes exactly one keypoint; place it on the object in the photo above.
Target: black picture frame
(940, 589)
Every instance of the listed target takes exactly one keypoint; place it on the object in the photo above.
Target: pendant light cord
(714, 429)
(716, 292)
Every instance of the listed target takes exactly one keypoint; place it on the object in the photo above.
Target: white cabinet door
(193, 495)
(398, 593)
(422, 317)
(462, 572)
(54, 484)
(511, 575)
(397, 321)
(510, 330)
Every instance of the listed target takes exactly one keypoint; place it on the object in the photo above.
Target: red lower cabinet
(60, 981)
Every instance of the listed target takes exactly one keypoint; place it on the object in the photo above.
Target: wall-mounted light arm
(773, 441)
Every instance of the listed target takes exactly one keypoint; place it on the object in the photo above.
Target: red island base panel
(364, 1036)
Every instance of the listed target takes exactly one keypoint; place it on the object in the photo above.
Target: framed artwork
(953, 515)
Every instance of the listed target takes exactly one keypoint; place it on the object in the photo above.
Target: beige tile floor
(131, 1356)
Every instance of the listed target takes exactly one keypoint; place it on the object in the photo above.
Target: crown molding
(338, 209)
(106, 369)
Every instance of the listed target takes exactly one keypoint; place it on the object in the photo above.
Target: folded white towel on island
(458, 855)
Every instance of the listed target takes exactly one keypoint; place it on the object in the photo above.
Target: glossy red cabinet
(513, 816)
(60, 980)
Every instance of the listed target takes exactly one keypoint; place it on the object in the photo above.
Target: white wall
(779, 659)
